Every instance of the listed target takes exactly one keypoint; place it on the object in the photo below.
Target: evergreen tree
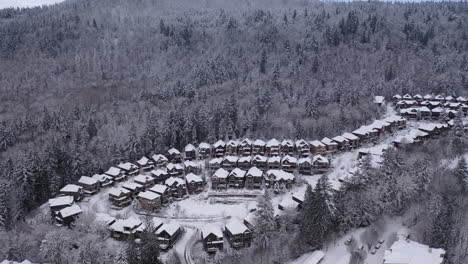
(263, 62)
(265, 221)
(462, 174)
(458, 134)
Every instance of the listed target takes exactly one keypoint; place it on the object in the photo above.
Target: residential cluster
(429, 106)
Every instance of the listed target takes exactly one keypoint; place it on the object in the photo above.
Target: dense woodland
(88, 83)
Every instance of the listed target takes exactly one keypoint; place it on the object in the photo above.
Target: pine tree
(263, 62)
(265, 221)
(149, 250)
(462, 174)
(458, 134)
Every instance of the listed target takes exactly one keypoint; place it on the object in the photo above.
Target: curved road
(189, 246)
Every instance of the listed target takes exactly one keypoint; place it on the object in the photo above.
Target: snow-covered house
(150, 201)
(72, 190)
(288, 204)
(177, 186)
(58, 203)
(302, 147)
(320, 164)
(258, 147)
(407, 97)
(299, 198)
(353, 140)
(450, 99)
(215, 163)
(191, 166)
(103, 179)
(274, 162)
(236, 178)
(245, 147)
(425, 112)
(231, 147)
(317, 147)
(219, 149)
(219, 180)
(133, 187)
(116, 174)
(428, 97)
(289, 163)
(175, 169)
(287, 147)
(405, 251)
(254, 178)
(403, 141)
(379, 100)
(163, 191)
(244, 162)
(194, 183)
(67, 215)
(145, 164)
(174, 155)
(272, 147)
(125, 229)
(90, 185)
(120, 197)
(160, 160)
(343, 143)
(249, 220)
(260, 162)
(279, 179)
(439, 98)
(168, 234)
(418, 97)
(145, 180)
(238, 234)
(330, 145)
(229, 162)
(397, 97)
(304, 166)
(128, 168)
(160, 175)
(190, 152)
(212, 237)
(204, 150)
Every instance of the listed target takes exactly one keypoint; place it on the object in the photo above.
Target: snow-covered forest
(87, 84)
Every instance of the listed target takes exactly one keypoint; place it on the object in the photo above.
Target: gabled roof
(289, 159)
(434, 103)
(170, 228)
(425, 103)
(72, 188)
(189, 147)
(328, 142)
(131, 185)
(211, 229)
(122, 225)
(159, 157)
(204, 145)
(219, 143)
(87, 180)
(260, 158)
(190, 163)
(232, 159)
(127, 166)
(449, 98)
(301, 143)
(428, 97)
(317, 143)
(172, 166)
(307, 160)
(407, 96)
(350, 136)
(320, 158)
(236, 227)
(272, 143)
(438, 110)
(61, 201)
(215, 161)
(193, 178)
(244, 159)
(149, 195)
(101, 177)
(259, 142)
(461, 99)
(159, 188)
(397, 96)
(287, 142)
(246, 142)
(424, 109)
(173, 151)
(439, 97)
(221, 173)
(143, 178)
(159, 172)
(410, 252)
(274, 159)
(113, 171)
(232, 143)
(172, 180)
(118, 192)
(238, 173)
(254, 172)
(280, 175)
(143, 161)
(70, 211)
(340, 139)
(417, 96)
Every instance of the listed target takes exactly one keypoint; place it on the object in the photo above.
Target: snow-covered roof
(159, 172)
(254, 172)
(461, 99)
(287, 142)
(132, 185)
(170, 228)
(173, 180)
(428, 127)
(449, 98)
(288, 203)
(211, 229)
(101, 177)
(281, 175)
(127, 166)
(404, 140)
(397, 96)
(299, 196)
(236, 227)
(124, 225)
(173, 151)
(411, 252)
(289, 159)
(379, 99)
(428, 97)
(424, 109)
(70, 211)
(417, 96)
(317, 143)
(174, 166)
(407, 96)
(425, 103)
(193, 178)
(232, 143)
(143, 161)
(104, 218)
(272, 143)
(189, 147)
(61, 201)
(215, 161)
(72, 188)
(118, 191)
(434, 103)
(246, 142)
(219, 143)
(113, 171)
(247, 159)
(204, 145)
(339, 139)
(232, 159)
(159, 157)
(439, 97)
(259, 142)
(190, 163)
(159, 188)
(221, 173)
(307, 160)
(274, 159)
(328, 142)
(149, 195)
(238, 173)
(143, 178)
(250, 218)
(350, 136)
(379, 124)
(87, 180)
(260, 158)
(414, 133)
(320, 158)
(301, 143)
(455, 104)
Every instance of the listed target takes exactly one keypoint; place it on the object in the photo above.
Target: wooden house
(254, 178)
(287, 147)
(175, 169)
(258, 147)
(67, 215)
(120, 197)
(160, 175)
(229, 162)
(59, 203)
(381, 126)
(219, 180)
(439, 98)
(274, 162)
(428, 97)
(133, 187)
(455, 106)
(150, 201)
(237, 234)
(128, 168)
(397, 97)
(352, 139)
(145, 164)
(245, 147)
(272, 148)
(288, 204)
(330, 145)
(236, 178)
(116, 174)
(90, 185)
(317, 147)
(461, 100)
(260, 162)
(410, 113)
(320, 164)
(204, 150)
(434, 104)
(72, 190)
(215, 163)
(231, 147)
(418, 97)
(431, 129)
(343, 143)
(145, 180)
(400, 105)
(164, 192)
(212, 238)
(450, 99)
(302, 148)
(126, 229)
(289, 163)
(191, 166)
(304, 166)
(407, 97)
(160, 160)
(219, 149)
(168, 234)
(436, 113)
(279, 179)
(103, 180)
(425, 103)
(401, 122)
(190, 152)
(363, 134)
(250, 221)
(379, 100)
(299, 198)
(177, 186)
(194, 183)
(174, 155)
(403, 141)
(425, 113)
